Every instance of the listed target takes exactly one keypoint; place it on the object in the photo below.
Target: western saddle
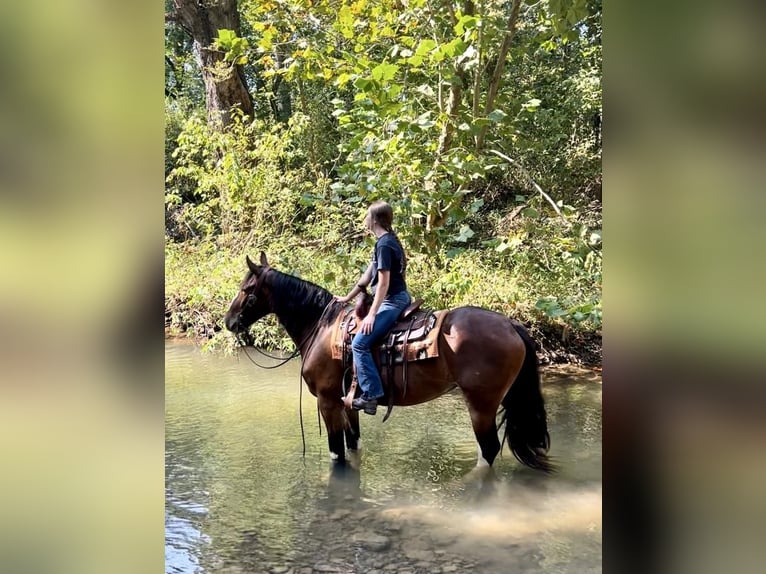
(414, 337)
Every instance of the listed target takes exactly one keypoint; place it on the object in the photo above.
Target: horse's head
(252, 302)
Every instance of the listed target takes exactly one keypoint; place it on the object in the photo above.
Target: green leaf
(465, 234)
(362, 84)
(465, 23)
(384, 72)
(530, 212)
(496, 116)
(308, 199)
(226, 37)
(415, 60)
(425, 46)
(532, 105)
(346, 22)
(342, 80)
(555, 312)
(454, 48)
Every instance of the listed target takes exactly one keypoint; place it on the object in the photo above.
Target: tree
(225, 86)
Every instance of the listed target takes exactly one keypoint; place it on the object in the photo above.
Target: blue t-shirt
(388, 256)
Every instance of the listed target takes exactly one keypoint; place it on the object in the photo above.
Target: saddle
(414, 337)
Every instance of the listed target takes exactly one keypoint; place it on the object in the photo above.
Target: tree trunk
(438, 213)
(281, 102)
(494, 82)
(455, 96)
(225, 86)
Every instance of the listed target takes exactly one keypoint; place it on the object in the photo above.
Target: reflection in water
(240, 497)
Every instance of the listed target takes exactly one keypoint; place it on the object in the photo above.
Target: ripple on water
(240, 497)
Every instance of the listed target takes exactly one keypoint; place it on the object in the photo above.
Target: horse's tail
(523, 412)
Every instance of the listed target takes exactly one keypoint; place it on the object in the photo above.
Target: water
(240, 497)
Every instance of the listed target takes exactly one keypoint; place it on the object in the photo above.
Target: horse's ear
(252, 266)
(263, 259)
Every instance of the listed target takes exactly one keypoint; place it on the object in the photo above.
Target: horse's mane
(297, 300)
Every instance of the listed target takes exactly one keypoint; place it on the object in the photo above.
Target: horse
(488, 356)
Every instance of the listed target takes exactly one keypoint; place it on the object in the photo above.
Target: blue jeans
(366, 371)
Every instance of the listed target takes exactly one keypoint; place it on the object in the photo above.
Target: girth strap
(392, 380)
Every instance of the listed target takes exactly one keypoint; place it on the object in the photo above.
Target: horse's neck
(300, 319)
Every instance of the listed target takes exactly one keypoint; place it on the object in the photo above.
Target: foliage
(402, 102)
(245, 179)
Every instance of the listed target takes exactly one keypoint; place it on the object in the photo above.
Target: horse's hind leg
(485, 429)
(489, 444)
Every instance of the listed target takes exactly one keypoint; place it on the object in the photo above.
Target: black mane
(299, 303)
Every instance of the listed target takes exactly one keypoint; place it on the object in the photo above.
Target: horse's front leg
(353, 440)
(335, 422)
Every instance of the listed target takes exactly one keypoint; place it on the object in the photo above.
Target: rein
(312, 336)
(284, 360)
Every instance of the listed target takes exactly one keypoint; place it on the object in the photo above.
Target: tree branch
(533, 182)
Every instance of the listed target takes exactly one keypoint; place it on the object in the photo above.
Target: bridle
(244, 337)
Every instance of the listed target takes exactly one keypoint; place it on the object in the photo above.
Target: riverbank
(555, 346)
(202, 278)
(583, 371)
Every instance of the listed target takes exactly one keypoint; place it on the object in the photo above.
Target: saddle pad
(422, 341)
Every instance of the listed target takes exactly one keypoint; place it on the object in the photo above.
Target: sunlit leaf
(465, 234)
(384, 72)
(346, 21)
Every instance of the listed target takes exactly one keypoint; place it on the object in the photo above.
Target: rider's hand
(367, 324)
(343, 300)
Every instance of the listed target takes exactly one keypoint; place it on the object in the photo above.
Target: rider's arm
(364, 280)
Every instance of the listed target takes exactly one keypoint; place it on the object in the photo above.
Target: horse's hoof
(478, 473)
(358, 448)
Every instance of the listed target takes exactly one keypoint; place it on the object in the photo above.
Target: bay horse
(490, 357)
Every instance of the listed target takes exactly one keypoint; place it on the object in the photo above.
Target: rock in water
(372, 541)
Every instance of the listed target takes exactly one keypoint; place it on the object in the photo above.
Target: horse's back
(466, 324)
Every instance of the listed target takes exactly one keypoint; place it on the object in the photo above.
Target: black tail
(523, 412)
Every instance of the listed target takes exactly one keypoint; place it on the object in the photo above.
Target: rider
(386, 276)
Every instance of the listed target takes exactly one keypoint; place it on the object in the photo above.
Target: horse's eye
(251, 299)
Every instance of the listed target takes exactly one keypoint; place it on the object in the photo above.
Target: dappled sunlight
(523, 515)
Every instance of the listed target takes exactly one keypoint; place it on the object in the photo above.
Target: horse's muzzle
(232, 323)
